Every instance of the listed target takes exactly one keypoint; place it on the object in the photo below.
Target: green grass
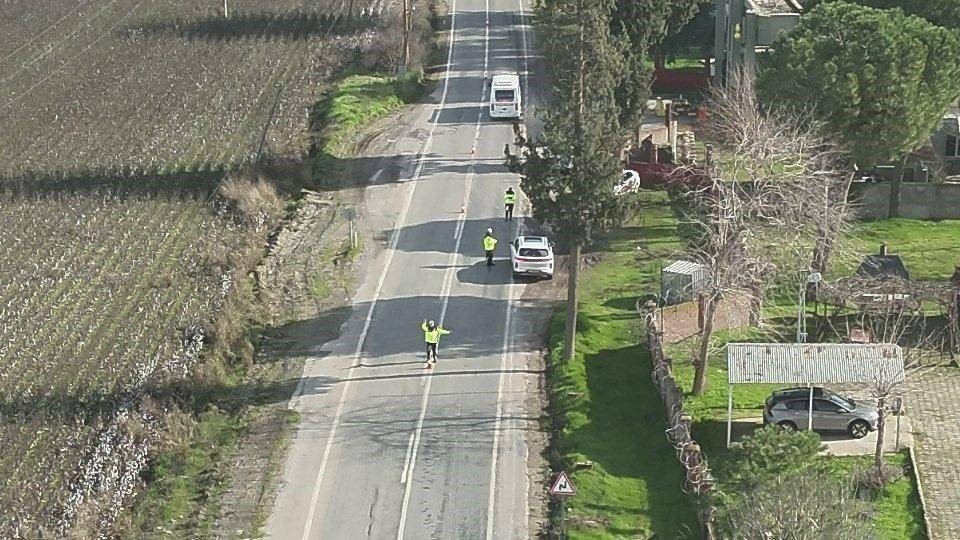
(360, 99)
(339, 119)
(184, 480)
(930, 249)
(613, 415)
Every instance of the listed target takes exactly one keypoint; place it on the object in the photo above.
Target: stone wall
(681, 321)
(918, 200)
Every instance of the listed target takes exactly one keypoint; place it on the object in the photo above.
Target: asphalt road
(386, 448)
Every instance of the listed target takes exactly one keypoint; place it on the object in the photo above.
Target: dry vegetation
(128, 233)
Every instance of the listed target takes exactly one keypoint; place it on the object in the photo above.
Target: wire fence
(698, 480)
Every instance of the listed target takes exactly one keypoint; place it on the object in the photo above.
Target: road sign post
(562, 488)
(350, 214)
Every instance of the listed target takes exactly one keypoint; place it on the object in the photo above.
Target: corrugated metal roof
(813, 363)
(684, 267)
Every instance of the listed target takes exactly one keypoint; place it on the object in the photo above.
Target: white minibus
(505, 96)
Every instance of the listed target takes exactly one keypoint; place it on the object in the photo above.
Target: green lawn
(614, 417)
(615, 420)
(930, 249)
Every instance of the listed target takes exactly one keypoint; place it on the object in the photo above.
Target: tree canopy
(640, 26)
(939, 12)
(879, 79)
(570, 169)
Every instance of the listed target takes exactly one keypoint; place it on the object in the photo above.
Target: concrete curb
(923, 501)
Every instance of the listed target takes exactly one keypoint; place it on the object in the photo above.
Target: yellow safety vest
(489, 243)
(433, 336)
(509, 198)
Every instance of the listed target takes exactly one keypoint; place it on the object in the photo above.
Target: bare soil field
(126, 242)
(103, 299)
(133, 87)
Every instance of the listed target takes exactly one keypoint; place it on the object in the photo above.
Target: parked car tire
(516, 275)
(858, 429)
(787, 425)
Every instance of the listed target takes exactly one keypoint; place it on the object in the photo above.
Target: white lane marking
(406, 461)
(506, 359)
(395, 238)
(448, 284)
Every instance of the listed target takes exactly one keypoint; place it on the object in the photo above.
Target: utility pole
(406, 36)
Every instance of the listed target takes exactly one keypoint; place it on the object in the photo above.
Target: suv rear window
(503, 96)
(532, 252)
(798, 405)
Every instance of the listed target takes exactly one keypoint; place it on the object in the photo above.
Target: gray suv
(831, 412)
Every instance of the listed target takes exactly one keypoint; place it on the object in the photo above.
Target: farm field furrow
(62, 391)
(123, 253)
(133, 87)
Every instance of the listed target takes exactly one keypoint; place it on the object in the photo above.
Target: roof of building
(684, 267)
(813, 363)
(770, 7)
(883, 266)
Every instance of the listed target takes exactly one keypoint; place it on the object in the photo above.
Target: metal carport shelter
(810, 364)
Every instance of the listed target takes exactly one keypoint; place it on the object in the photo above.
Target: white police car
(532, 256)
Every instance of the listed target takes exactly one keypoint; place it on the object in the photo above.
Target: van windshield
(503, 96)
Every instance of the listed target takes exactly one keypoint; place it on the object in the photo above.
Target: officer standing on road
(489, 244)
(431, 336)
(509, 198)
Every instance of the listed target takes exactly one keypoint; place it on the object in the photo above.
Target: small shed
(809, 364)
(883, 265)
(681, 281)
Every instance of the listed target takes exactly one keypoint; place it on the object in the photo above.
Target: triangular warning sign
(562, 486)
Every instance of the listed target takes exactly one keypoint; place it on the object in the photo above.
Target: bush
(771, 453)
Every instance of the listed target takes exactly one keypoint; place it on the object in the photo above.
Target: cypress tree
(569, 170)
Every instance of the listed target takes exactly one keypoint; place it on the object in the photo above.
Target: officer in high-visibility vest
(509, 199)
(431, 336)
(489, 244)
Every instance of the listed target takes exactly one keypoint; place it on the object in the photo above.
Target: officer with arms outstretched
(431, 336)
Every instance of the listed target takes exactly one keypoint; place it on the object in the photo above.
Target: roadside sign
(349, 214)
(562, 486)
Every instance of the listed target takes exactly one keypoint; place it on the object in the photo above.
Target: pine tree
(569, 170)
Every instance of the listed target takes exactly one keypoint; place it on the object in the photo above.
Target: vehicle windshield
(532, 252)
(844, 402)
(503, 96)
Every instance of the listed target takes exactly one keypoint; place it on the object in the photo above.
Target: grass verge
(605, 402)
(339, 119)
(183, 483)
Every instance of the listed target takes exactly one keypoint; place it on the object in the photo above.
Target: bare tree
(766, 208)
(891, 311)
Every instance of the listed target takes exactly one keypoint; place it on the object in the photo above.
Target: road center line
(506, 358)
(395, 238)
(448, 283)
